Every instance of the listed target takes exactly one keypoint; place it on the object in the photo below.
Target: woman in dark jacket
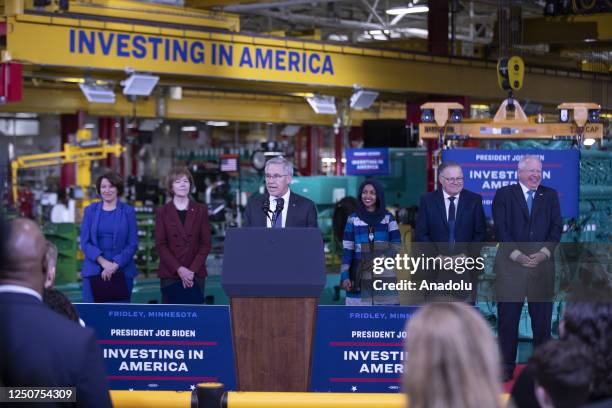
(182, 239)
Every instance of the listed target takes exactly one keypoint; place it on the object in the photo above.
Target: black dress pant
(509, 316)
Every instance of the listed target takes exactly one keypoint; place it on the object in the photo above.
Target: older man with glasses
(279, 207)
(450, 225)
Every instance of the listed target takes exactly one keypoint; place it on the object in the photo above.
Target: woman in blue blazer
(109, 236)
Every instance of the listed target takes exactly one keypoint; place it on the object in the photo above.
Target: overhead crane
(110, 36)
(83, 153)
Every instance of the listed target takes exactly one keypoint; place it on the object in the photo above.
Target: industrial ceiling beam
(90, 46)
(571, 29)
(254, 7)
(194, 105)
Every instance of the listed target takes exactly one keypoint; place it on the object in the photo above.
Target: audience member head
(58, 302)
(591, 323)
(179, 182)
(452, 359)
(562, 373)
(24, 263)
(50, 263)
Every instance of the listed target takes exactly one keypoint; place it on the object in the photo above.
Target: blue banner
(367, 162)
(485, 171)
(359, 348)
(163, 347)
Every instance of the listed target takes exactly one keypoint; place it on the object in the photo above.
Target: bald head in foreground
(39, 347)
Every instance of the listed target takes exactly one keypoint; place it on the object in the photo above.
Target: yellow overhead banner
(98, 45)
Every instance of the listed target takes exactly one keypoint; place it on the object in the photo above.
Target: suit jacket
(432, 224)
(300, 213)
(125, 239)
(516, 229)
(182, 245)
(39, 347)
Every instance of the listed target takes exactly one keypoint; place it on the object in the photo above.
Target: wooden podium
(274, 278)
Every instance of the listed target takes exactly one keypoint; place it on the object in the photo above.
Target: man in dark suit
(39, 347)
(528, 225)
(262, 211)
(451, 224)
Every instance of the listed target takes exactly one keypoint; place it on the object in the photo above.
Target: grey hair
(287, 165)
(445, 165)
(526, 158)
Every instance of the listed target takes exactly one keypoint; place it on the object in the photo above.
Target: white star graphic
(353, 388)
(192, 387)
(131, 389)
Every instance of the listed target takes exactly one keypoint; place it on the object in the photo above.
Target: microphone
(266, 208)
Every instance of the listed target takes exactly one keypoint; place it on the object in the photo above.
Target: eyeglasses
(274, 177)
(453, 179)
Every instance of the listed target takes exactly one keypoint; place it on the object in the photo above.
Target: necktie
(451, 223)
(529, 200)
(278, 217)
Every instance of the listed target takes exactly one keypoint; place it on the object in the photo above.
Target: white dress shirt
(285, 208)
(447, 203)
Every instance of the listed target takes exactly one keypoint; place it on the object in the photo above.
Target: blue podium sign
(367, 162)
(359, 348)
(163, 347)
(485, 171)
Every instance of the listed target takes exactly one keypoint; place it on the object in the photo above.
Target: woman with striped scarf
(370, 232)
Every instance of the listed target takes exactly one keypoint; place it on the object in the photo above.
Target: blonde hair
(452, 359)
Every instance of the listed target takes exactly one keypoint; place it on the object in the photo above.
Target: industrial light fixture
(589, 141)
(217, 123)
(411, 9)
(139, 84)
(593, 115)
(97, 93)
(323, 104)
(456, 115)
(362, 99)
(148, 125)
(189, 129)
(427, 115)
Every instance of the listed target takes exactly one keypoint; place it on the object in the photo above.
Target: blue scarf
(376, 216)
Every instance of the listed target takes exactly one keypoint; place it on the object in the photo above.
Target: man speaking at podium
(279, 207)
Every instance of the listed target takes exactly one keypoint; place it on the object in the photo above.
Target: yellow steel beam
(559, 30)
(154, 12)
(89, 45)
(196, 106)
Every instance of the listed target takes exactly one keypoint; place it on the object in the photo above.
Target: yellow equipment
(510, 73)
(579, 123)
(82, 155)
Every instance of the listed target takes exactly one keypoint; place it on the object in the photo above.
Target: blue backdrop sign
(485, 171)
(367, 162)
(359, 348)
(163, 347)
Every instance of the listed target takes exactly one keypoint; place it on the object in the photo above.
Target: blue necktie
(529, 200)
(451, 223)
(278, 217)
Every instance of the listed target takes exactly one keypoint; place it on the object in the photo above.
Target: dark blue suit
(301, 212)
(125, 243)
(39, 347)
(433, 232)
(516, 229)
